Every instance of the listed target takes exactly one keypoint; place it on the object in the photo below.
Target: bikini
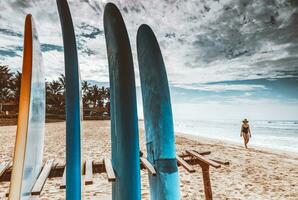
(245, 129)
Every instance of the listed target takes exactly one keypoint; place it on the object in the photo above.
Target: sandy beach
(252, 174)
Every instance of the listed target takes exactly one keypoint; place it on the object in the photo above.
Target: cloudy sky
(225, 59)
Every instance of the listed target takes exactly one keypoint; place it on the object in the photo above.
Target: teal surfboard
(160, 138)
(124, 120)
(73, 104)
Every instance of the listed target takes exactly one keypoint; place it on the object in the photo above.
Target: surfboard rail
(73, 104)
(124, 119)
(29, 142)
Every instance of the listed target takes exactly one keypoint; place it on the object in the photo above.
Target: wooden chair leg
(207, 183)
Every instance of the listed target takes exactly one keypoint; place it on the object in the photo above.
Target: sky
(225, 59)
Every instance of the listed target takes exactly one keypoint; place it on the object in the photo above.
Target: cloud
(253, 110)
(222, 87)
(213, 50)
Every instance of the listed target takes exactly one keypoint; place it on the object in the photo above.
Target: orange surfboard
(28, 151)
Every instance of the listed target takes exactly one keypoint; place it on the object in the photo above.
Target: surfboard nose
(62, 5)
(144, 28)
(146, 36)
(28, 17)
(112, 12)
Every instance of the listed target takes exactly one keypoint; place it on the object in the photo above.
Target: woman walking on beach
(245, 132)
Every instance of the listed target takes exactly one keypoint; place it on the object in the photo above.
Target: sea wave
(282, 135)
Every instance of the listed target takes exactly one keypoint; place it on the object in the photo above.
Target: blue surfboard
(73, 104)
(124, 120)
(160, 138)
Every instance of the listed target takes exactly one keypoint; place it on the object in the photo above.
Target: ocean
(281, 135)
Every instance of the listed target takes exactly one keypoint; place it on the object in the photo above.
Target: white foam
(282, 135)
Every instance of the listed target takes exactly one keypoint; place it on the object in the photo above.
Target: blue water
(281, 135)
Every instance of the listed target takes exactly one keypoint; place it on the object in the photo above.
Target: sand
(252, 174)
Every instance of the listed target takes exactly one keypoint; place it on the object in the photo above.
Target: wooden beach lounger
(3, 167)
(186, 159)
(88, 172)
(109, 170)
(187, 166)
(63, 184)
(148, 166)
(45, 172)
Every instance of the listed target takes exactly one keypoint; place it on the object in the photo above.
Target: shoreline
(238, 145)
(197, 138)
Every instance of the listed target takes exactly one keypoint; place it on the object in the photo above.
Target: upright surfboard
(160, 138)
(73, 104)
(124, 120)
(28, 151)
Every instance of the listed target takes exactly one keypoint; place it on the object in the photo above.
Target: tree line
(96, 100)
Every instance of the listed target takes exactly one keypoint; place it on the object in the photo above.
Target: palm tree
(5, 84)
(86, 94)
(95, 95)
(55, 88)
(107, 104)
(107, 93)
(85, 86)
(61, 80)
(16, 87)
(102, 96)
(107, 108)
(55, 98)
